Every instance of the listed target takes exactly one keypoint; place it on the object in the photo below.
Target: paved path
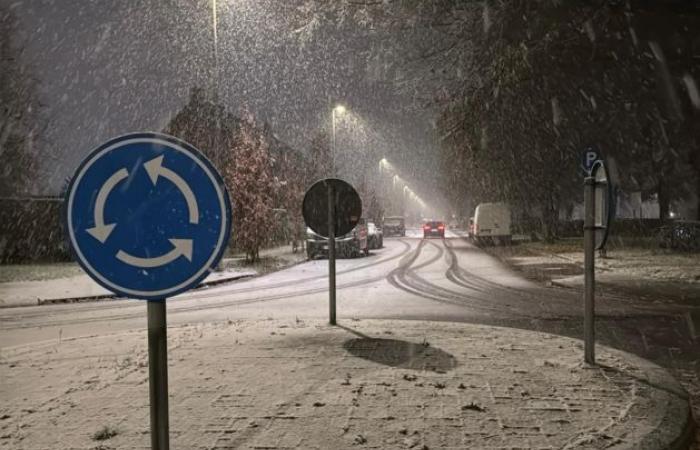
(368, 384)
(82, 287)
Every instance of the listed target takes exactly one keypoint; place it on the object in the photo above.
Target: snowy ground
(32, 284)
(632, 262)
(21, 293)
(655, 274)
(38, 272)
(410, 278)
(298, 384)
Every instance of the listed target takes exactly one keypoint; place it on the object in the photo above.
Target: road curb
(93, 298)
(685, 440)
(668, 390)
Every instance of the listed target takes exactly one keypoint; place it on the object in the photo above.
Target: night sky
(107, 68)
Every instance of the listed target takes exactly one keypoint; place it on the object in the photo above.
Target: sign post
(599, 211)
(158, 374)
(331, 208)
(331, 254)
(148, 217)
(589, 271)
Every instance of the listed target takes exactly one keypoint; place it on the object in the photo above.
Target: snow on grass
(38, 272)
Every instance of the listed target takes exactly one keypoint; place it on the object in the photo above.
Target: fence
(574, 228)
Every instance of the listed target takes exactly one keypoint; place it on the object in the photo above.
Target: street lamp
(215, 24)
(338, 109)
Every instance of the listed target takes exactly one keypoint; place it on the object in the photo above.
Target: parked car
(375, 236)
(434, 228)
(492, 224)
(350, 245)
(394, 226)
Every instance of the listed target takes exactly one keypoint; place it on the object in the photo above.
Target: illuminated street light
(338, 109)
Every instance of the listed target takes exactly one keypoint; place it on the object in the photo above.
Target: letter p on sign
(589, 157)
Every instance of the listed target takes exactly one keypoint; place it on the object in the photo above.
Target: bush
(32, 230)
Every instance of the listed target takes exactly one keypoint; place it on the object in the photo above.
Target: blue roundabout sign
(147, 216)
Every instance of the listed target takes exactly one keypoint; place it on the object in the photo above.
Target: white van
(492, 223)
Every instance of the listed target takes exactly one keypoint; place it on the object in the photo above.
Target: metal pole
(158, 374)
(215, 25)
(333, 142)
(331, 254)
(589, 270)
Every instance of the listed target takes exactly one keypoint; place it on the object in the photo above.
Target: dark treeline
(521, 87)
(549, 78)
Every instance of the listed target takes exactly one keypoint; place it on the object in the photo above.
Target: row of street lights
(386, 166)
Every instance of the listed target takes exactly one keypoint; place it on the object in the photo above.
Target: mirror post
(589, 270)
(158, 374)
(331, 254)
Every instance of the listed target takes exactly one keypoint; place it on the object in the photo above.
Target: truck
(492, 224)
(394, 226)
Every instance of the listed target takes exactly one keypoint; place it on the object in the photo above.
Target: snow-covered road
(410, 278)
(406, 278)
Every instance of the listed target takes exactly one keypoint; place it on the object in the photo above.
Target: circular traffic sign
(147, 216)
(348, 206)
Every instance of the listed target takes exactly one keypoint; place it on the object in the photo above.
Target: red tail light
(441, 227)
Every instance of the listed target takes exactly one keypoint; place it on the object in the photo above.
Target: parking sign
(589, 157)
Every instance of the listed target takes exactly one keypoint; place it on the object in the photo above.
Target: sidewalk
(367, 384)
(81, 287)
(651, 276)
(65, 282)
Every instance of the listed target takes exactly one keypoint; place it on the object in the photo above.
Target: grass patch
(559, 246)
(104, 433)
(38, 272)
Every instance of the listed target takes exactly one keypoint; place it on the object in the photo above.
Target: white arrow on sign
(182, 247)
(101, 230)
(155, 168)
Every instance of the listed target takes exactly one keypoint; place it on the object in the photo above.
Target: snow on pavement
(26, 293)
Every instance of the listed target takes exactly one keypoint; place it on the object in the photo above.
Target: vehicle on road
(434, 228)
(350, 245)
(375, 236)
(394, 226)
(492, 224)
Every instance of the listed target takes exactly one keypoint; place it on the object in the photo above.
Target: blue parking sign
(147, 216)
(589, 157)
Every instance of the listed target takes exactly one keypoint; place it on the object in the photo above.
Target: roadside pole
(162, 234)
(589, 230)
(331, 253)
(158, 374)
(331, 207)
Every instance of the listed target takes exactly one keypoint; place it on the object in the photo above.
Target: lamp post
(331, 224)
(215, 36)
(338, 109)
